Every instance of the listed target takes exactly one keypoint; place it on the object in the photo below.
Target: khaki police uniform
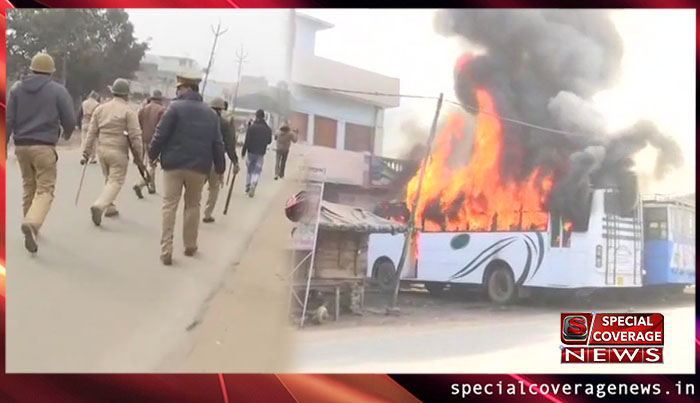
(174, 181)
(108, 126)
(149, 116)
(88, 106)
(37, 163)
(214, 186)
(179, 139)
(38, 111)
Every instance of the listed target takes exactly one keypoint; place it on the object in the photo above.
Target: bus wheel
(435, 289)
(385, 274)
(500, 285)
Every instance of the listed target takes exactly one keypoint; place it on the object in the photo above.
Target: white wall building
(160, 73)
(332, 119)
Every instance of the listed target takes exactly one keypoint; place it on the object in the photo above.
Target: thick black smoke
(543, 67)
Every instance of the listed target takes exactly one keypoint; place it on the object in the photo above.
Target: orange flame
(475, 197)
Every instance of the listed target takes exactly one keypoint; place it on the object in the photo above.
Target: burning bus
(475, 226)
(537, 192)
(553, 255)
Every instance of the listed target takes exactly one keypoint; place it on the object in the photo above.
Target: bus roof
(664, 201)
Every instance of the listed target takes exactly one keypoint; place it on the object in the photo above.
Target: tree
(96, 46)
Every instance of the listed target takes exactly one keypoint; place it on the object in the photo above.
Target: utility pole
(241, 57)
(217, 34)
(411, 227)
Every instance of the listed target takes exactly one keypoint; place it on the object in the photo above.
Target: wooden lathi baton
(230, 191)
(139, 162)
(80, 186)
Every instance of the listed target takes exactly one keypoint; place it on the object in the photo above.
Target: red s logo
(574, 328)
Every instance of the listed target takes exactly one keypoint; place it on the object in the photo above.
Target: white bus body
(608, 254)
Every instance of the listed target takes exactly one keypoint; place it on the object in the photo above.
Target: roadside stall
(339, 259)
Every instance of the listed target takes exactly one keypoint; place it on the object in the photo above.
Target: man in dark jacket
(257, 138)
(35, 109)
(187, 140)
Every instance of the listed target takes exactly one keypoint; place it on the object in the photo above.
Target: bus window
(556, 230)
(568, 226)
(678, 225)
(656, 223)
(691, 220)
(581, 224)
(682, 222)
(619, 204)
(611, 203)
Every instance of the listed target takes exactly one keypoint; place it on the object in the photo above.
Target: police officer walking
(85, 115)
(35, 108)
(187, 140)
(149, 116)
(110, 122)
(229, 137)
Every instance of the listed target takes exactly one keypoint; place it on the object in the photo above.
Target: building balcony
(354, 168)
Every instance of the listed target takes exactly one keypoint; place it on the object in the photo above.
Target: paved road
(98, 299)
(517, 340)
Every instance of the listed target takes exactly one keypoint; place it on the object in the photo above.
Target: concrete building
(339, 120)
(160, 72)
(341, 131)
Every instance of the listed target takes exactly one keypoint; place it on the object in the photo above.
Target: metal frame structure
(317, 182)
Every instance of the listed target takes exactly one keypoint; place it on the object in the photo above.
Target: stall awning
(341, 217)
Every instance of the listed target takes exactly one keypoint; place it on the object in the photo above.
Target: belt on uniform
(32, 142)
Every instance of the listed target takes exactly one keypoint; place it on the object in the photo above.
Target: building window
(325, 131)
(358, 137)
(300, 122)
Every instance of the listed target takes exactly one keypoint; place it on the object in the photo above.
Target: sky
(657, 80)
(176, 32)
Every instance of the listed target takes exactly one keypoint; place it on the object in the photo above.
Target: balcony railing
(385, 171)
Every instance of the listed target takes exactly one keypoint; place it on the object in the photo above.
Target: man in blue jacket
(188, 141)
(35, 108)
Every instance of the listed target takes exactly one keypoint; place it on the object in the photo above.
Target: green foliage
(98, 45)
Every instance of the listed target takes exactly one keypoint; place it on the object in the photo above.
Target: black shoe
(190, 251)
(208, 219)
(137, 190)
(29, 238)
(247, 189)
(96, 215)
(111, 213)
(151, 190)
(276, 177)
(93, 161)
(167, 260)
